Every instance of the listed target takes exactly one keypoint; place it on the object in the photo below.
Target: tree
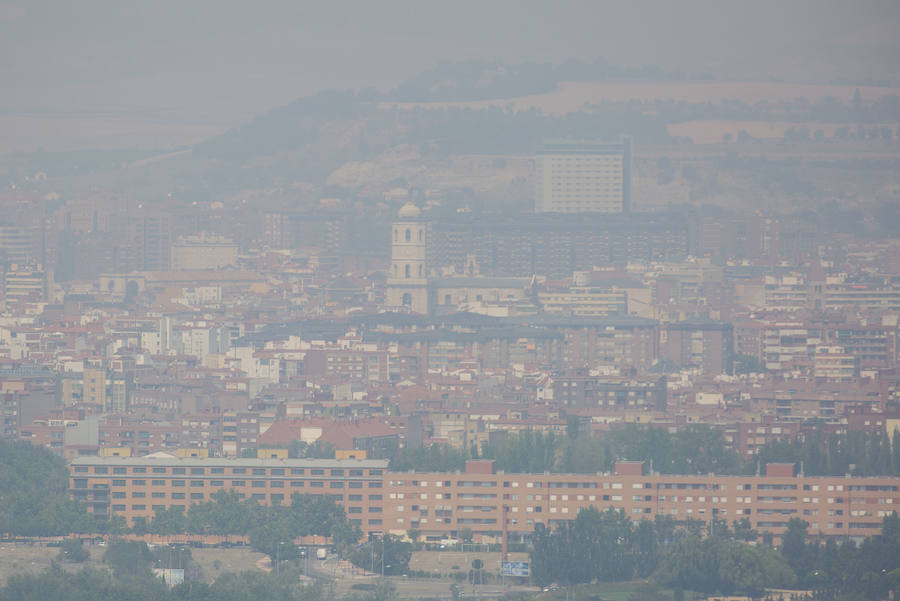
(34, 498)
(140, 526)
(273, 539)
(743, 530)
(387, 552)
(413, 535)
(72, 549)
(603, 546)
(168, 520)
(127, 557)
(793, 545)
(718, 565)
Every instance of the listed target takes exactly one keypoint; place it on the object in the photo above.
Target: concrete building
(702, 344)
(439, 505)
(583, 177)
(203, 251)
(135, 487)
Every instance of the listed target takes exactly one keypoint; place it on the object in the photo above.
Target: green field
(613, 591)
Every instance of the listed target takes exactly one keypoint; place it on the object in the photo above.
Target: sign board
(171, 576)
(514, 568)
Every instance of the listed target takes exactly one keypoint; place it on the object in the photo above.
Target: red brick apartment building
(439, 505)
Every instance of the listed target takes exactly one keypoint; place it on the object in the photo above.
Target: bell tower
(407, 283)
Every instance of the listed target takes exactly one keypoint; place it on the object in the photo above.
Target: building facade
(583, 177)
(439, 505)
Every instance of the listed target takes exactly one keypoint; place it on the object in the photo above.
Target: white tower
(407, 283)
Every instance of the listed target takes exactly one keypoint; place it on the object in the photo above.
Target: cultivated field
(576, 96)
(711, 132)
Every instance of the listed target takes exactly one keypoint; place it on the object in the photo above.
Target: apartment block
(583, 177)
(135, 487)
(488, 502)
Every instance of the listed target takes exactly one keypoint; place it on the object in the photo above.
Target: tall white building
(407, 283)
(583, 177)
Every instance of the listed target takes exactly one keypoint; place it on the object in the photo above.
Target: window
(158, 495)
(178, 470)
(277, 471)
(354, 484)
(239, 483)
(374, 497)
(139, 495)
(277, 484)
(138, 482)
(217, 483)
(354, 497)
(139, 470)
(297, 471)
(196, 496)
(317, 472)
(217, 470)
(177, 482)
(238, 470)
(277, 497)
(374, 484)
(196, 471)
(354, 510)
(81, 469)
(258, 484)
(159, 470)
(119, 470)
(317, 484)
(297, 483)
(356, 472)
(118, 495)
(259, 471)
(198, 483)
(118, 483)
(138, 507)
(158, 482)
(101, 470)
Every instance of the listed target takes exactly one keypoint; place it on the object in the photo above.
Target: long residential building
(439, 505)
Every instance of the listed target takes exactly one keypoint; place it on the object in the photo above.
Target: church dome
(409, 211)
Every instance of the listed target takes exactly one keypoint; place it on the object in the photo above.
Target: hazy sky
(201, 65)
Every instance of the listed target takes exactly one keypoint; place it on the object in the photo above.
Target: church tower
(407, 283)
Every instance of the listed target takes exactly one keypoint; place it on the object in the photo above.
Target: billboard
(171, 576)
(514, 568)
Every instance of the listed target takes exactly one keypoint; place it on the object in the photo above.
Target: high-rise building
(583, 177)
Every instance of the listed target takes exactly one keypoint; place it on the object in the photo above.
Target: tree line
(100, 585)
(696, 449)
(715, 558)
(271, 528)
